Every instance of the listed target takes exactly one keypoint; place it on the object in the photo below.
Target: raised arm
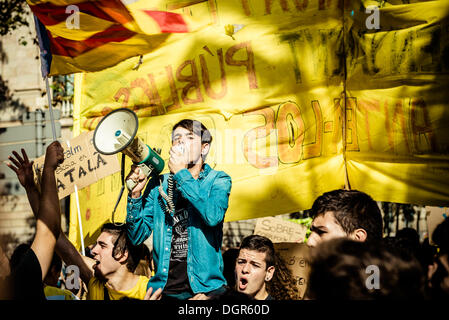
(24, 171)
(68, 253)
(139, 217)
(64, 248)
(48, 224)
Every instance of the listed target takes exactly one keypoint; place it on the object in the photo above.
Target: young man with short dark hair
(115, 261)
(345, 213)
(255, 266)
(110, 274)
(188, 227)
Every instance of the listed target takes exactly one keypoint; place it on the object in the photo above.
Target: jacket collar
(204, 172)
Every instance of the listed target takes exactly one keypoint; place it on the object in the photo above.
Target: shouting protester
(255, 267)
(188, 227)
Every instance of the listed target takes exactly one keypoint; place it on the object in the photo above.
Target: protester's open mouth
(243, 283)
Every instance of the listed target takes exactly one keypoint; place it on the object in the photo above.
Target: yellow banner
(301, 97)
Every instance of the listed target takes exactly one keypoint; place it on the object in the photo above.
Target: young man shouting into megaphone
(185, 211)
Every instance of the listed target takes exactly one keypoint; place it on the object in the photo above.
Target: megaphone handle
(145, 170)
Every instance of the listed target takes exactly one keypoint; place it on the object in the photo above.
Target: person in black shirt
(25, 281)
(184, 211)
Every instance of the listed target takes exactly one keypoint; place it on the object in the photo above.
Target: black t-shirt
(25, 281)
(178, 281)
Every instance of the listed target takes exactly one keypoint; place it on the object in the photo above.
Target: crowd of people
(184, 211)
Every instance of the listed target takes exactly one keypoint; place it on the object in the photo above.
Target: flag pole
(79, 215)
(45, 55)
(52, 120)
(79, 221)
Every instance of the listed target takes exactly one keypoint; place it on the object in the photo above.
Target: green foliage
(307, 222)
(13, 15)
(62, 87)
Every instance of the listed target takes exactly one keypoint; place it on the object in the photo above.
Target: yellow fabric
(54, 293)
(96, 290)
(300, 97)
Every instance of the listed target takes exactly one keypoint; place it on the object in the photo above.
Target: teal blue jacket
(208, 196)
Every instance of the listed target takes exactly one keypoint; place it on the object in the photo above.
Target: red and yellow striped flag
(94, 35)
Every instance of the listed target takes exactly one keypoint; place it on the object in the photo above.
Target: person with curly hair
(283, 284)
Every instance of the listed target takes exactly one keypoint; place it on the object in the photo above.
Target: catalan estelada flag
(76, 35)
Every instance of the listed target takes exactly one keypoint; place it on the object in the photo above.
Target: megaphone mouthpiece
(122, 138)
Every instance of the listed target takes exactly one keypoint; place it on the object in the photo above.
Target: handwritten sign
(279, 230)
(296, 257)
(82, 165)
(435, 215)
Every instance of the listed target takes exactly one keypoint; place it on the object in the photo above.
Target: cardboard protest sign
(296, 257)
(435, 215)
(279, 230)
(82, 165)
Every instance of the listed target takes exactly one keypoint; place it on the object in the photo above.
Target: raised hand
(54, 155)
(137, 176)
(23, 168)
(179, 158)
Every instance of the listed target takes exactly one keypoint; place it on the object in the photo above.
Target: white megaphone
(116, 132)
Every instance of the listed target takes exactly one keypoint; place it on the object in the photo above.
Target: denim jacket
(208, 196)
